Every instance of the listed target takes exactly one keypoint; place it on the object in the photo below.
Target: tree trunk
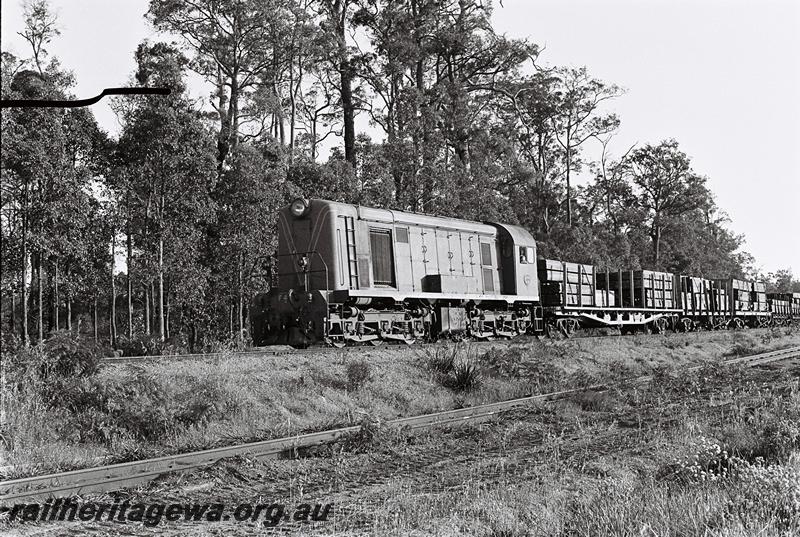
(56, 320)
(192, 337)
(223, 141)
(130, 264)
(112, 328)
(146, 311)
(95, 319)
(166, 319)
(12, 321)
(348, 109)
(240, 305)
(293, 105)
(656, 246)
(338, 17)
(69, 314)
(314, 139)
(569, 191)
(161, 327)
(233, 112)
(25, 339)
(153, 307)
(40, 316)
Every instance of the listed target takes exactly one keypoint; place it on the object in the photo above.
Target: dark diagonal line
(43, 103)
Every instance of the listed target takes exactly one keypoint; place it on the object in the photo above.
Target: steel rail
(128, 474)
(283, 351)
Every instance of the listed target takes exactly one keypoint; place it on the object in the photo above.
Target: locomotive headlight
(300, 207)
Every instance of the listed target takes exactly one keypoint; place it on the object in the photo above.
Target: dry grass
(700, 477)
(130, 412)
(713, 452)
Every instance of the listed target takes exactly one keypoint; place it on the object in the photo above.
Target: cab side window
(526, 255)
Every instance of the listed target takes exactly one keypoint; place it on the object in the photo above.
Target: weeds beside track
(285, 350)
(133, 473)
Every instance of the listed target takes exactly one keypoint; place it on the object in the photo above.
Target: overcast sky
(720, 76)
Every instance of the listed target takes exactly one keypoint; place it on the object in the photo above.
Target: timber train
(346, 274)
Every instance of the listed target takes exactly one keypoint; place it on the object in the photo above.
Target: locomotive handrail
(306, 269)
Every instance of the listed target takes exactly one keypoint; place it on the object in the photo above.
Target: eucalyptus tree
(579, 117)
(666, 187)
(168, 155)
(239, 47)
(437, 71)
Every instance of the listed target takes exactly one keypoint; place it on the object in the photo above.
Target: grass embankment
(714, 452)
(64, 411)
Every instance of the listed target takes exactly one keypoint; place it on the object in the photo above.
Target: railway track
(124, 475)
(285, 350)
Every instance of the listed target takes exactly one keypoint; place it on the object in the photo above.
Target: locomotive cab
(518, 252)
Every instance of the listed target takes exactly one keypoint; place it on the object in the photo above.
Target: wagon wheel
(737, 323)
(686, 324)
(572, 327)
(566, 327)
(660, 325)
(550, 329)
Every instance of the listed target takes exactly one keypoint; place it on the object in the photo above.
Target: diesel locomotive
(346, 274)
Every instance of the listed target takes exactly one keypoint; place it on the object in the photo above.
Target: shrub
(373, 435)
(766, 493)
(464, 377)
(66, 354)
(442, 359)
(358, 373)
(743, 345)
(141, 406)
(507, 362)
(706, 462)
(594, 401)
(452, 370)
(769, 437)
(104, 411)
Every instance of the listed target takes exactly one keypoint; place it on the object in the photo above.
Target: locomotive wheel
(573, 327)
(567, 327)
(550, 330)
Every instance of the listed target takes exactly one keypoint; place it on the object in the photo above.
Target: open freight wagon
(747, 302)
(576, 295)
(704, 304)
(785, 307)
